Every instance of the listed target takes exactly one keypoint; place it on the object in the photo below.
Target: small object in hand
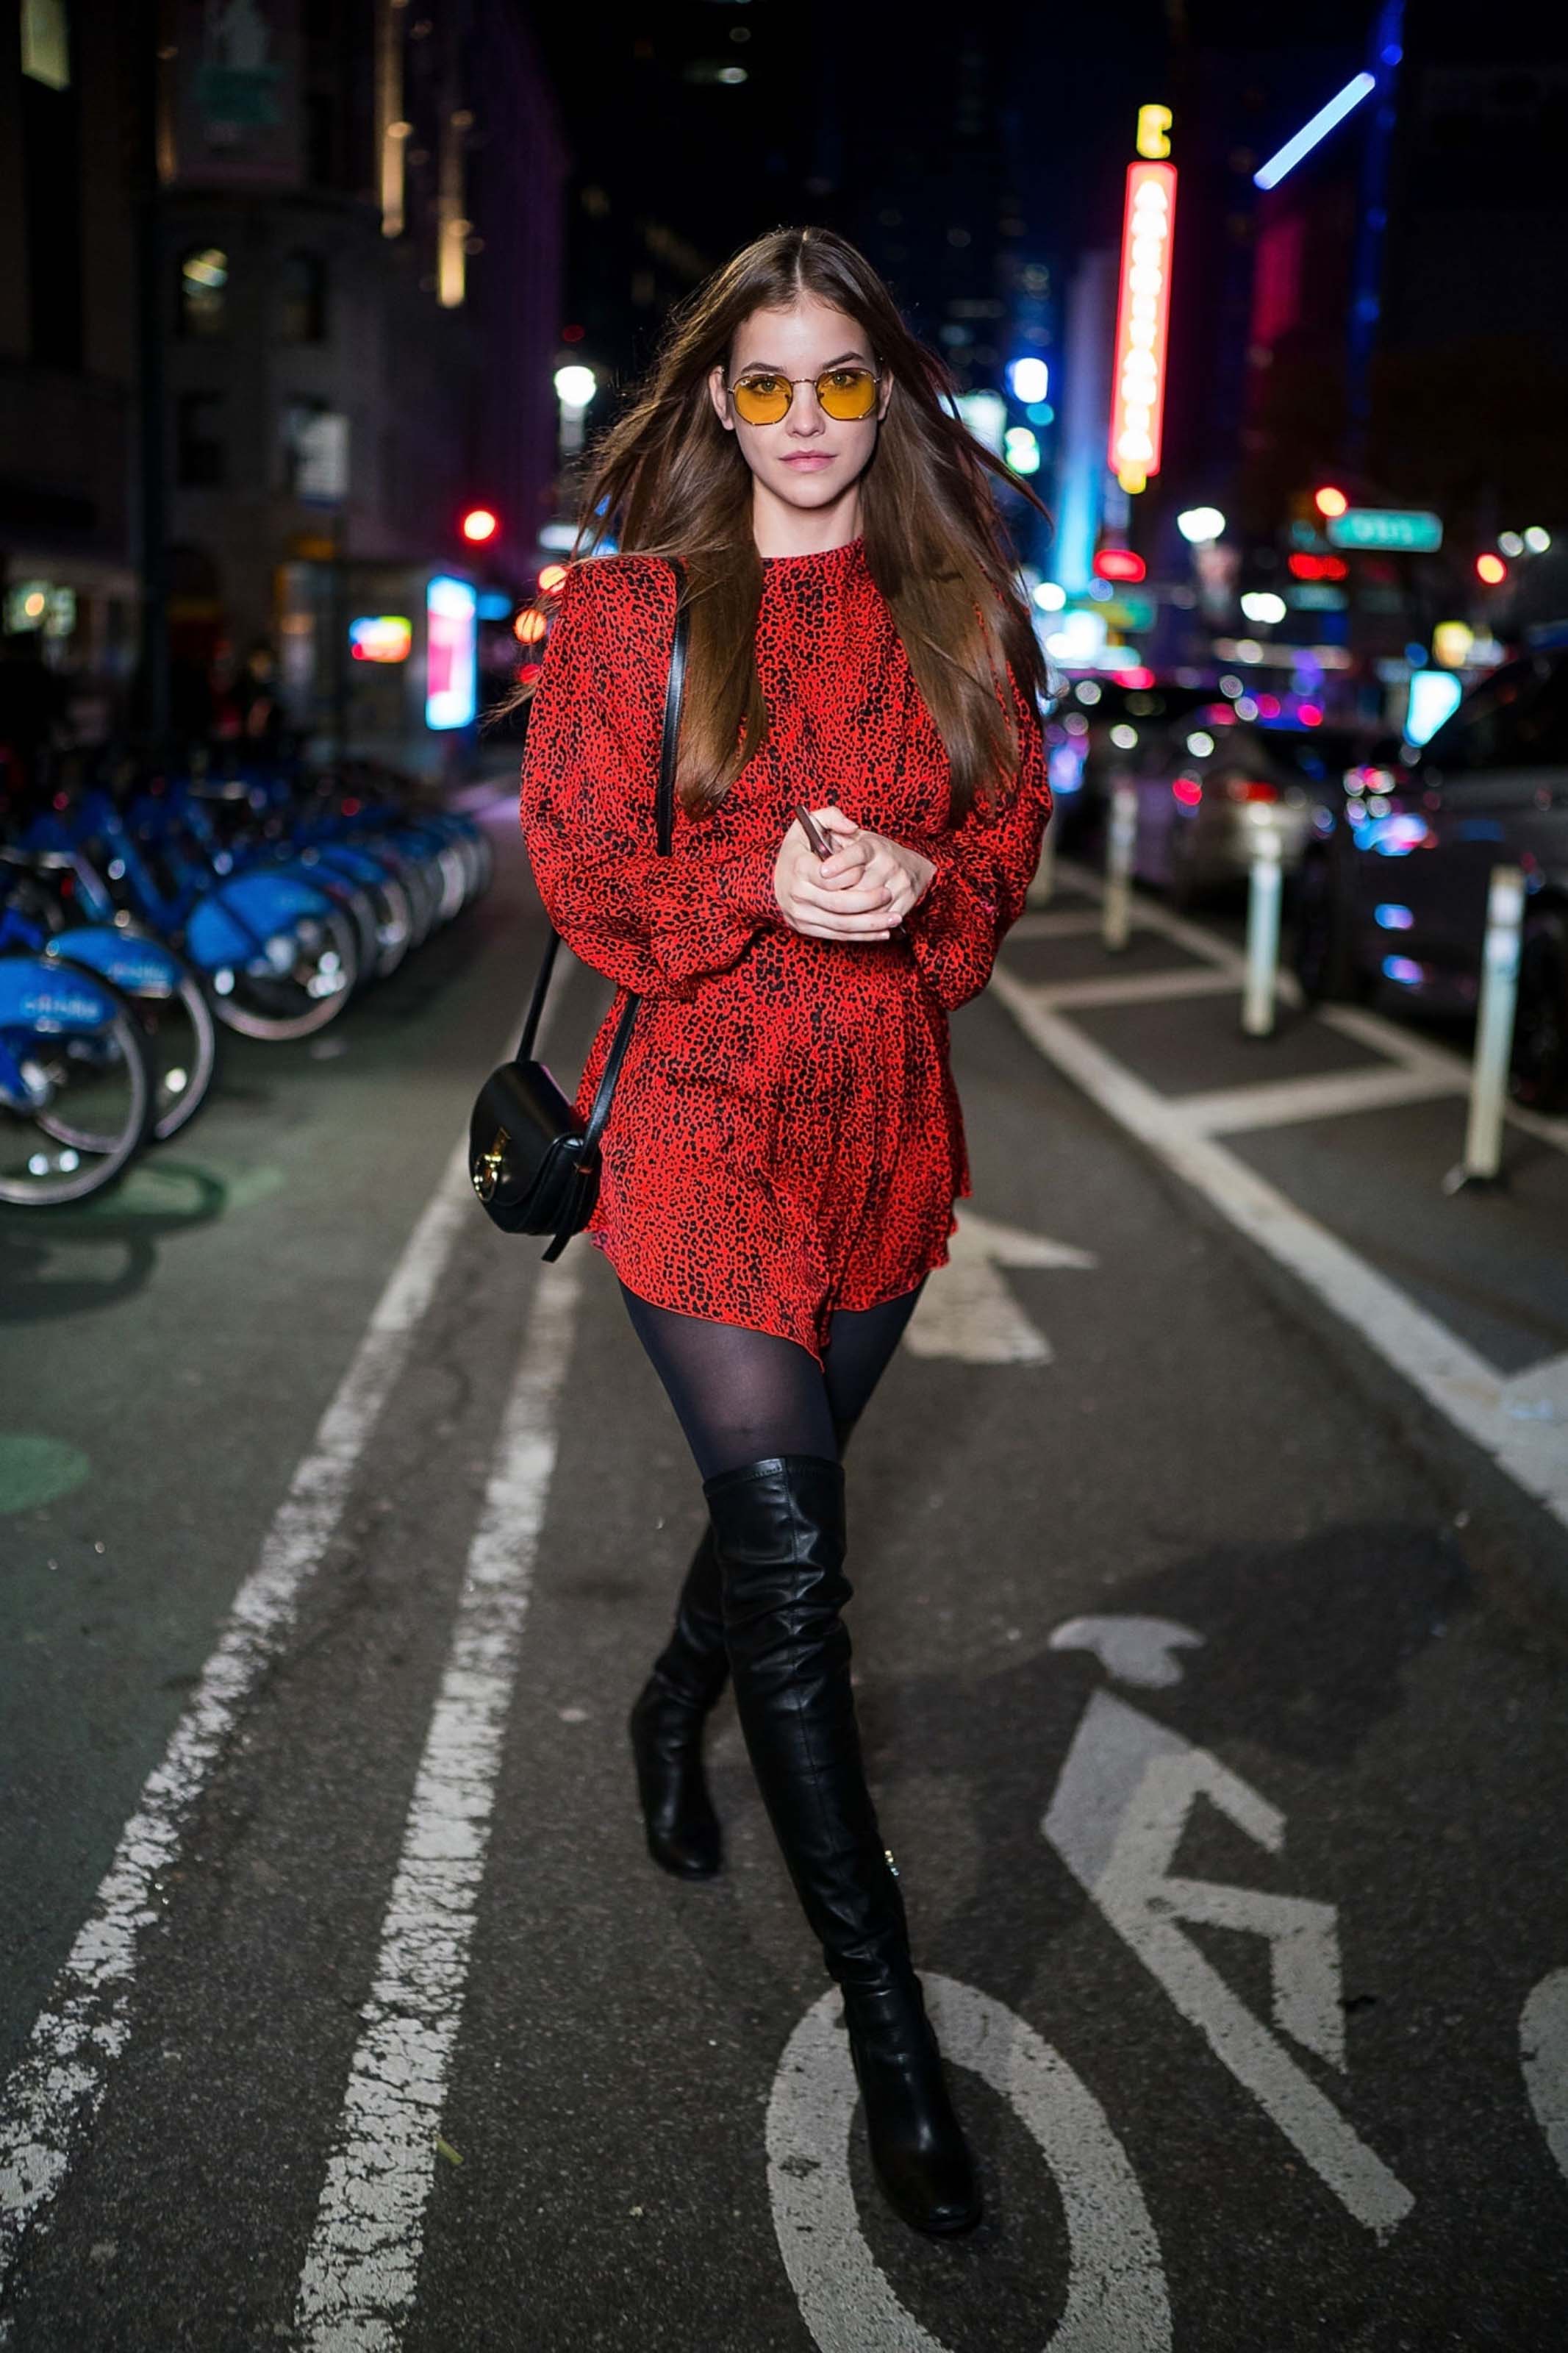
(813, 832)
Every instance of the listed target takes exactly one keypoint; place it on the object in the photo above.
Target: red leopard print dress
(785, 1138)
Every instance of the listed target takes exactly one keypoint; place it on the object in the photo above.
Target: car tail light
(1251, 788)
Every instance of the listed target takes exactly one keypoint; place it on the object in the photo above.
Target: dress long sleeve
(589, 774)
(983, 868)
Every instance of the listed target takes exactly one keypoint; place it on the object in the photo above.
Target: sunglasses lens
(762, 399)
(847, 394)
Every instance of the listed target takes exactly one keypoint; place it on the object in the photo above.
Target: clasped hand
(862, 892)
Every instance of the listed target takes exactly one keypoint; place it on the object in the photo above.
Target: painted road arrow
(967, 1310)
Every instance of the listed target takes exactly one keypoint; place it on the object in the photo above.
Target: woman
(785, 1146)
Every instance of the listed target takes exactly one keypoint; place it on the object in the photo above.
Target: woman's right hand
(843, 910)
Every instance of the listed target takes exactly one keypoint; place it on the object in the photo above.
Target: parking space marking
(362, 2270)
(1329, 1094)
(1117, 2300)
(1065, 924)
(1498, 1414)
(1140, 987)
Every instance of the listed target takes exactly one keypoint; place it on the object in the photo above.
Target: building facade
(348, 219)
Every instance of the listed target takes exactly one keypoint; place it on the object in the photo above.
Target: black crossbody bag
(533, 1161)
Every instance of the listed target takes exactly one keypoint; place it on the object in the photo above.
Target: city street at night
(412, 2035)
(865, 1651)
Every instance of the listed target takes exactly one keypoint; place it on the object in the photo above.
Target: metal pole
(1262, 935)
(153, 504)
(1494, 1031)
(1045, 882)
(1118, 852)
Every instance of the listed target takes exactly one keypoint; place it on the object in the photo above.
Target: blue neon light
(1404, 969)
(1394, 918)
(1269, 175)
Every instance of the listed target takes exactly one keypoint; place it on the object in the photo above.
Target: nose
(805, 417)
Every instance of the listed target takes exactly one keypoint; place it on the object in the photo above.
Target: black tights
(742, 1396)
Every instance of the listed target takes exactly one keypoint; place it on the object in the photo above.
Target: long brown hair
(667, 479)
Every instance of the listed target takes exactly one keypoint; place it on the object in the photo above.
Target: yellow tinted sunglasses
(847, 395)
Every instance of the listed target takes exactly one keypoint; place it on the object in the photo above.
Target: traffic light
(1492, 569)
(1330, 500)
(480, 526)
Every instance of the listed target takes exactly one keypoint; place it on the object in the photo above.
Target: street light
(574, 388)
(1330, 501)
(1199, 525)
(1030, 380)
(1263, 605)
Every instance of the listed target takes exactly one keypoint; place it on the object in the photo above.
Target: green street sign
(1404, 529)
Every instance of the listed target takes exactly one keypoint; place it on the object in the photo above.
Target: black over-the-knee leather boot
(666, 1725)
(778, 1528)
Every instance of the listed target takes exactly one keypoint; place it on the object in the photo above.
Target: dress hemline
(779, 1329)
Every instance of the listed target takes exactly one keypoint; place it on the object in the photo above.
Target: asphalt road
(1213, 1690)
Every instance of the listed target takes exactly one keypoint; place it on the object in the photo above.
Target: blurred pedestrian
(785, 1145)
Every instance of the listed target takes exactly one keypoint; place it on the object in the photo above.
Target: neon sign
(451, 635)
(1142, 317)
(380, 637)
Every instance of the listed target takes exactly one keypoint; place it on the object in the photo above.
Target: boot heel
(917, 2148)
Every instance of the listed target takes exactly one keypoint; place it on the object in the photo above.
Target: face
(808, 458)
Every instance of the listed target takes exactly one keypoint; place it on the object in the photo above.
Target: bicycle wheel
(395, 925)
(297, 998)
(99, 1084)
(182, 1040)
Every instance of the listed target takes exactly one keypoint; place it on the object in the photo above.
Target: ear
(720, 398)
(887, 395)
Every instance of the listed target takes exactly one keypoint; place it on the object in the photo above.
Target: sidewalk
(1327, 1145)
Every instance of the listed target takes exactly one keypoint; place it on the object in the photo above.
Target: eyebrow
(772, 368)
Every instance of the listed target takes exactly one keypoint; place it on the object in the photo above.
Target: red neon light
(1492, 569)
(1119, 564)
(1142, 318)
(1318, 567)
(479, 525)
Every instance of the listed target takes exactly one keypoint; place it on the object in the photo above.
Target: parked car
(1096, 731)
(1208, 784)
(1393, 893)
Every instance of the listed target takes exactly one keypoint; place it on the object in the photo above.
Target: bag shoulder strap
(664, 834)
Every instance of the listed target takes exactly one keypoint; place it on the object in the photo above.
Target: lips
(810, 461)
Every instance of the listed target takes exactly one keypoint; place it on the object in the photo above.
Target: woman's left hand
(869, 860)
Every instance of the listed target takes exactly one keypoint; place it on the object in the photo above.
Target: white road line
(1067, 924)
(1328, 1095)
(1410, 1048)
(361, 2272)
(53, 2092)
(1414, 1052)
(1140, 987)
(1450, 1376)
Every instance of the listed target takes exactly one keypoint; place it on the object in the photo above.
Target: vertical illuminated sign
(1143, 316)
(451, 653)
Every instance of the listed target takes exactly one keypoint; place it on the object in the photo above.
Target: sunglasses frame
(874, 373)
